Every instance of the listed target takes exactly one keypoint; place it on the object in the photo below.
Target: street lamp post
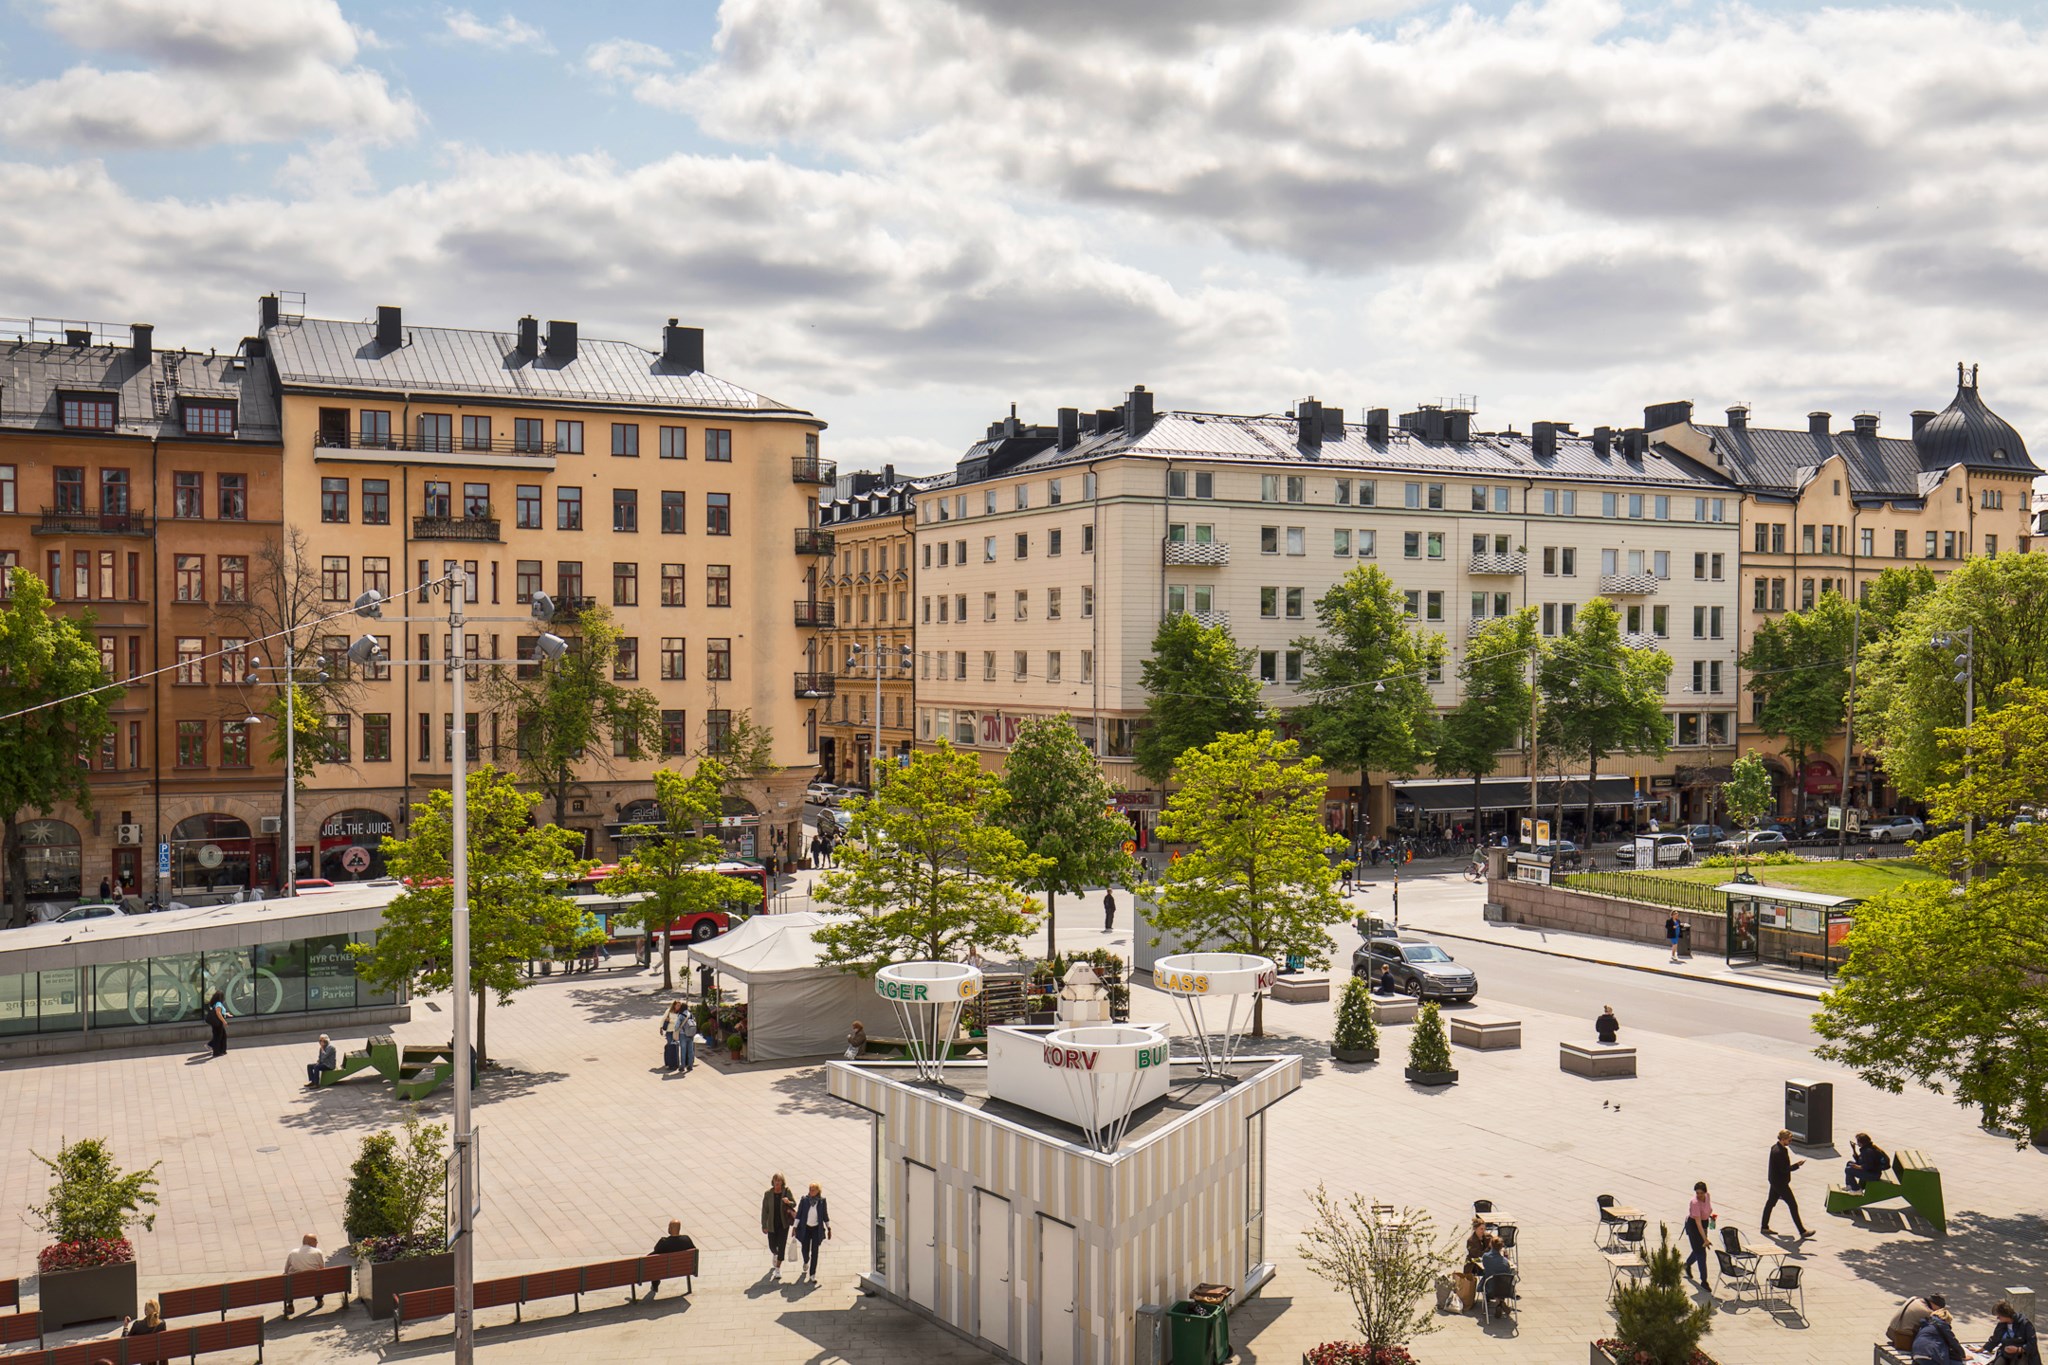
(1966, 658)
(876, 658)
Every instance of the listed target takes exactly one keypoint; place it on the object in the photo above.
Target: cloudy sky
(908, 214)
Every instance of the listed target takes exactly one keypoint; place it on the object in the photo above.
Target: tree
(744, 748)
(1947, 986)
(517, 910)
(1601, 698)
(1747, 795)
(570, 715)
(42, 753)
(671, 862)
(1365, 675)
(93, 1201)
(1198, 685)
(287, 604)
(1799, 666)
(1062, 808)
(1494, 709)
(1657, 1322)
(928, 868)
(1256, 875)
(1385, 1266)
(1910, 692)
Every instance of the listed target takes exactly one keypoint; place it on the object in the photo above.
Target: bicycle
(152, 998)
(1476, 870)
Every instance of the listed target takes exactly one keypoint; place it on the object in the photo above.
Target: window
(568, 437)
(671, 585)
(1479, 497)
(1088, 539)
(1052, 604)
(568, 509)
(1269, 666)
(376, 574)
(1762, 538)
(626, 440)
(1948, 544)
(68, 488)
(1180, 485)
(1433, 606)
(1023, 497)
(526, 579)
(675, 443)
(190, 578)
(1899, 545)
(718, 445)
(377, 502)
(526, 507)
(625, 509)
(569, 579)
(1020, 607)
(1052, 665)
(437, 500)
(333, 500)
(374, 428)
(1660, 507)
(1763, 594)
(1411, 604)
(1023, 545)
(1435, 543)
(476, 503)
(191, 743)
(1296, 541)
(1933, 544)
(1340, 541)
(476, 433)
(437, 431)
(1020, 663)
(1367, 544)
(1411, 545)
(1294, 596)
(718, 514)
(672, 658)
(625, 584)
(1052, 492)
(90, 414)
(190, 649)
(1052, 542)
(1709, 509)
(1087, 602)
(945, 553)
(1269, 603)
(1990, 545)
(1269, 540)
(1707, 566)
(718, 585)
(526, 435)
(1269, 488)
(188, 498)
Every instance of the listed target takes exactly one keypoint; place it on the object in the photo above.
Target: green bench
(1911, 1178)
(414, 1072)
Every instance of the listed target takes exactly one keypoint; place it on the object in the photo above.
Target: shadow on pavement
(366, 1103)
(436, 1338)
(1973, 1264)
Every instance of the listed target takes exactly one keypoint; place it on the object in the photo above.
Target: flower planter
(1430, 1077)
(89, 1295)
(378, 1285)
(1603, 1356)
(1354, 1054)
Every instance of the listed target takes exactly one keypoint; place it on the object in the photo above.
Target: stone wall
(1581, 912)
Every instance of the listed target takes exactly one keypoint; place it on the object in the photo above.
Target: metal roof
(316, 353)
(147, 389)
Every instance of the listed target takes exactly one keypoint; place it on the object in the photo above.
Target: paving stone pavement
(589, 1149)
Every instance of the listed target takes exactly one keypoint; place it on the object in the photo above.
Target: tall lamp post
(877, 657)
(1961, 647)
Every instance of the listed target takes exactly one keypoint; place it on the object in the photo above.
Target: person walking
(1781, 1166)
(1671, 928)
(1605, 1025)
(1108, 911)
(1699, 1228)
(679, 1039)
(106, 889)
(323, 1061)
(813, 1229)
(778, 1211)
(818, 849)
(217, 1024)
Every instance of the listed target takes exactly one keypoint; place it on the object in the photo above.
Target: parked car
(1564, 855)
(835, 820)
(1895, 829)
(1706, 836)
(1755, 841)
(815, 792)
(1673, 850)
(1420, 967)
(51, 914)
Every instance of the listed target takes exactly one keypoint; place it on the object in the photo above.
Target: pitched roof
(147, 389)
(1771, 458)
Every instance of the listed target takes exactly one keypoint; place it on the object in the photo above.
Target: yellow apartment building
(869, 635)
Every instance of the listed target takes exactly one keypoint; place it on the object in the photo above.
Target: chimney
(1107, 419)
(390, 328)
(1921, 417)
(1658, 416)
(1603, 441)
(529, 337)
(561, 340)
(267, 312)
(142, 332)
(1817, 423)
(1308, 423)
(1458, 430)
(1070, 427)
(1635, 443)
(1333, 424)
(682, 348)
(1866, 424)
(1376, 425)
(1138, 412)
(1738, 417)
(888, 476)
(1543, 440)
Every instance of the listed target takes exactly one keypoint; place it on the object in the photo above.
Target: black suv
(1420, 967)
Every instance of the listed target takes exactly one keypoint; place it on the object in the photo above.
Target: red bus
(695, 928)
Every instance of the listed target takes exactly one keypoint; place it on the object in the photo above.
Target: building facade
(869, 633)
(1045, 568)
(142, 484)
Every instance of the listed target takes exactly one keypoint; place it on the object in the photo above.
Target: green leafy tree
(1907, 692)
(1061, 807)
(1946, 986)
(1494, 708)
(1601, 699)
(1429, 1047)
(570, 716)
(372, 1185)
(1385, 1266)
(517, 912)
(1747, 795)
(1255, 876)
(93, 1200)
(744, 748)
(928, 868)
(1798, 665)
(671, 863)
(1886, 598)
(1198, 685)
(1365, 675)
(43, 657)
(1656, 1321)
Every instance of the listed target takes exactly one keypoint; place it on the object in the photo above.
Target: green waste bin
(1200, 1333)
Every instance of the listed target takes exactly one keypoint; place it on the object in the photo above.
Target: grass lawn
(1852, 878)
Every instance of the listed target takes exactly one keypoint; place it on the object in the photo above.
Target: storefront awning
(1438, 795)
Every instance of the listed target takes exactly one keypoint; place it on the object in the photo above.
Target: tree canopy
(1601, 698)
(671, 862)
(1060, 806)
(1799, 665)
(928, 869)
(1494, 706)
(1198, 685)
(1747, 795)
(1365, 674)
(1255, 874)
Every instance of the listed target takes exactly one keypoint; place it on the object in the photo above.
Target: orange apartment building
(870, 582)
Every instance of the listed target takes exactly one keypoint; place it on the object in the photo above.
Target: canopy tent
(797, 1006)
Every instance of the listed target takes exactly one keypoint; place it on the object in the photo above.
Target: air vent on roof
(1308, 425)
(1603, 441)
(1738, 416)
(1866, 423)
(1138, 411)
(141, 332)
(1817, 423)
(561, 342)
(1376, 425)
(77, 336)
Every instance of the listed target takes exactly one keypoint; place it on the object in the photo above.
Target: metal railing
(455, 528)
(434, 445)
(1516, 561)
(815, 614)
(1651, 888)
(811, 541)
(1204, 553)
(67, 521)
(811, 469)
(1629, 584)
(812, 685)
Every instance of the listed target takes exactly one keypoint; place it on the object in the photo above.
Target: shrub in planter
(1429, 1051)
(1353, 1353)
(1385, 1266)
(372, 1180)
(1357, 1037)
(88, 1270)
(1657, 1322)
(395, 1218)
(736, 1044)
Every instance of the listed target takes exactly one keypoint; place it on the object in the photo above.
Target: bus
(698, 927)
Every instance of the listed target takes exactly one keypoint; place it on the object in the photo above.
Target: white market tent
(797, 1006)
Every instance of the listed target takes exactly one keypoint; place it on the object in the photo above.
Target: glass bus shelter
(1786, 928)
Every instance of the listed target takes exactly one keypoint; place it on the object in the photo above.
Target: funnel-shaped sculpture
(1214, 993)
(929, 998)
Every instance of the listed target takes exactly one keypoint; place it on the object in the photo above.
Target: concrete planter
(91, 1295)
(1395, 1009)
(1354, 1054)
(1603, 1356)
(1430, 1077)
(379, 1285)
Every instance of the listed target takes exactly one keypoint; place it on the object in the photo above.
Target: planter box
(379, 1286)
(1301, 988)
(1485, 1035)
(1602, 1356)
(1354, 1054)
(1388, 1009)
(1430, 1077)
(104, 1291)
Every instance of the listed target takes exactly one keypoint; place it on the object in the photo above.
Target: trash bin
(1810, 1112)
(1684, 939)
(1200, 1332)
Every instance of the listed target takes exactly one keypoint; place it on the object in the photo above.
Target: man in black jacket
(1781, 1167)
(675, 1241)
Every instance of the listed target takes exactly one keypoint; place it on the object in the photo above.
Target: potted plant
(394, 1216)
(736, 1044)
(1657, 1322)
(1357, 1038)
(1429, 1051)
(1352, 1353)
(88, 1271)
(1386, 1263)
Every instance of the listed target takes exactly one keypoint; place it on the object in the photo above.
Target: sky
(907, 215)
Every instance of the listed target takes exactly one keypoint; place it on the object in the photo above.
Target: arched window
(351, 845)
(50, 857)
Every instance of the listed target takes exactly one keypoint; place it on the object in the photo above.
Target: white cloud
(206, 35)
(509, 31)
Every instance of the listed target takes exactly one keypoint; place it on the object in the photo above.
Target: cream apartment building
(600, 472)
(1829, 510)
(870, 635)
(1044, 570)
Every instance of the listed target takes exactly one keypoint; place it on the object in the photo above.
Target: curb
(1764, 988)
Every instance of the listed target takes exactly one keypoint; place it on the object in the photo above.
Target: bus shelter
(1787, 928)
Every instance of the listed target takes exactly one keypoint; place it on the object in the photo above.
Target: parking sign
(163, 860)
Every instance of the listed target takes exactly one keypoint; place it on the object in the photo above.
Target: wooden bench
(1596, 1063)
(265, 1289)
(516, 1291)
(1485, 1035)
(1301, 987)
(1912, 1178)
(10, 1293)
(1395, 1009)
(1884, 1353)
(157, 1348)
(18, 1327)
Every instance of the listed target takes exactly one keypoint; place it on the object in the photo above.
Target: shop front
(351, 845)
(210, 853)
(51, 860)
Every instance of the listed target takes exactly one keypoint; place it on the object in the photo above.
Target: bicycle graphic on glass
(176, 989)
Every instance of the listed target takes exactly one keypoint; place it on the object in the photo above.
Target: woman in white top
(813, 1227)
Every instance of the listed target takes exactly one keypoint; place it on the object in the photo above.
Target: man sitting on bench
(675, 1241)
(1867, 1161)
(303, 1259)
(323, 1061)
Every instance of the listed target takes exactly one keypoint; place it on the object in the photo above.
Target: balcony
(1640, 639)
(1205, 619)
(1189, 553)
(80, 521)
(435, 445)
(811, 541)
(1628, 585)
(810, 686)
(814, 615)
(455, 528)
(1513, 563)
(811, 469)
